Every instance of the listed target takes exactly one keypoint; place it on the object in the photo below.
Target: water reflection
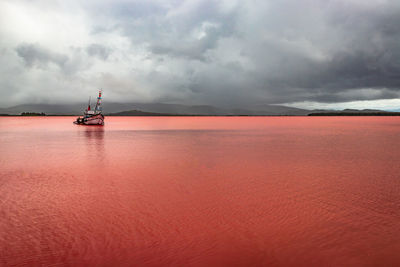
(94, 141)
(95, 133)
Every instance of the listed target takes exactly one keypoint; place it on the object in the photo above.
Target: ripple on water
(200, 191)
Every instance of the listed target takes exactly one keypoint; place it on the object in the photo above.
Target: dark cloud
(99, 51)
(226, 53)
(187, 30)
(36, 56)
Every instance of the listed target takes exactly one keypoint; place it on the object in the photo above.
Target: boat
(92, 117)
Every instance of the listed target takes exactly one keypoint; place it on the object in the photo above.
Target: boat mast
(88, 104)
(98, 104)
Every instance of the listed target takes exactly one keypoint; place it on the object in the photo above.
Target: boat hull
(92, 120)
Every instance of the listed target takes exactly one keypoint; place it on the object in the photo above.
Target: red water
(200, 191)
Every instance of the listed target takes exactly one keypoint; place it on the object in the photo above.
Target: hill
(138, 113)
(160, 108)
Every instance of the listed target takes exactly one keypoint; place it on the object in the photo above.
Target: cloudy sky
(228, 53)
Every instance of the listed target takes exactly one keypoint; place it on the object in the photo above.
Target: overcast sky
(308, 53)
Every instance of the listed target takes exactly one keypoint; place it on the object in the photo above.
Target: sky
(226, 53)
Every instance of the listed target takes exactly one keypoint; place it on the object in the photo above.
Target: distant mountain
(161, 109)
(278, 110)
(178, 109)
(49, 109)
(138, 113)
(354, 112)
(362, 110)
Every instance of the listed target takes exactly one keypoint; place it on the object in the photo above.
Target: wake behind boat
(92, 117)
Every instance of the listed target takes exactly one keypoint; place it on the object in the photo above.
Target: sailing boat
(92, 117)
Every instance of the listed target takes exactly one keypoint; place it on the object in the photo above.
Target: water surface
(200, 191)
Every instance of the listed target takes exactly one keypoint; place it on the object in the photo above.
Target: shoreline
(173, 115)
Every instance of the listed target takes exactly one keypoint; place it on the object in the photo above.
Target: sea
(200, 191)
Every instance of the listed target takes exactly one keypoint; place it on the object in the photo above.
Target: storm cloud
(225, 53)
(36, 56)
